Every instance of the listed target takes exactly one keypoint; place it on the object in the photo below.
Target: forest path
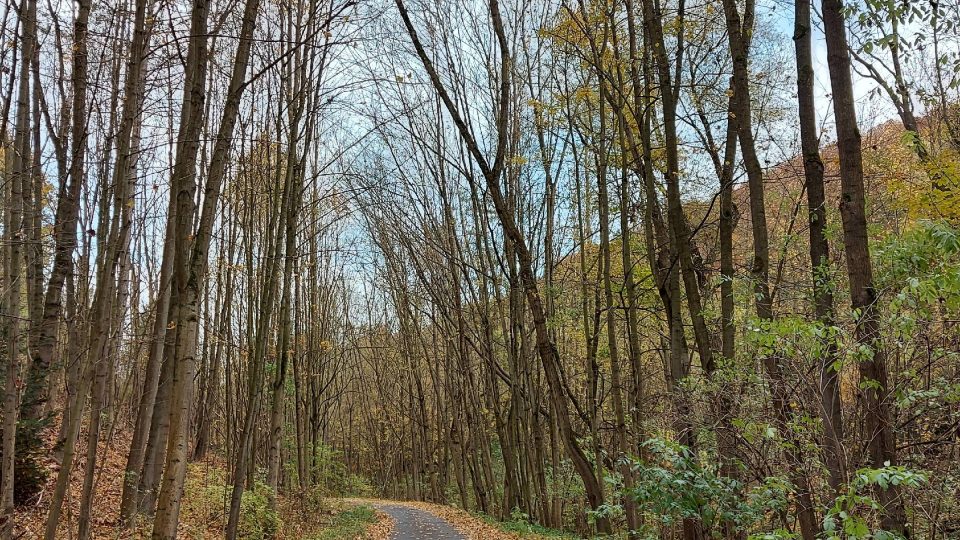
(415, 524)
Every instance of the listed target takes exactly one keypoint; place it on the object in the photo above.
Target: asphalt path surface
(413, 524)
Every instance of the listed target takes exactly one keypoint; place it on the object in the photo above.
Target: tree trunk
(183, 184)
(14, 235)
(873, 369)
(830, 398)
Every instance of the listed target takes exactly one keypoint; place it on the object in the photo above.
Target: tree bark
(877, 392)
(18, 181)
(183, 188)
(830, 398)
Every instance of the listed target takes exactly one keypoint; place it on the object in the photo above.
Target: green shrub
(521, 524)
(350, 523)
(848, 518)
(333, 479)
(257, 520)
(675, 485)
(207, 499)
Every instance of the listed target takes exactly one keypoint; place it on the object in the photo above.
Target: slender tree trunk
(294, 179)
(663, 258)
(830, 398)
(146, 494)
(616, 378)
(36, 388)
(873, 369)
(183, 189)
(18, 181)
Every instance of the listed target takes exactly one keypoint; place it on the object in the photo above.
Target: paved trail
(414, 524)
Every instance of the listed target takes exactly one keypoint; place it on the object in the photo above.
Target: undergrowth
(520, 524)
(350, 523)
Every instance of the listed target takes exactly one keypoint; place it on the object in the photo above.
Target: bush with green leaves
(922, 268)
(522, 525)
(332, 477)
(257, 520)
(673, 485)
(849, 517)
(349, 523)
(207, 496)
